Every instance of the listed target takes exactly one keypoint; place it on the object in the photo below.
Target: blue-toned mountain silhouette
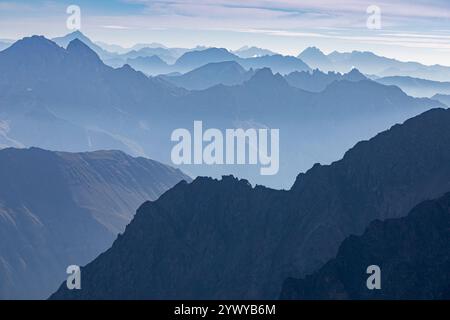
(412, 253)
(78, 35)
(278, 63)
(317, 80)
(252, 52)
(228, 240)
(69, 100)
(417, 87)
(58, 209)
(226, 73)
(443, 98)
(372, 64)
(314, 127)
(150, 65)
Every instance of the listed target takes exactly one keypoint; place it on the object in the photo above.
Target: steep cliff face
(413, 254)
(58, 209)
(226, 240)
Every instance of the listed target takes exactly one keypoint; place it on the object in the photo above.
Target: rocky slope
(413, 254)
(58, 209)
(227, 240)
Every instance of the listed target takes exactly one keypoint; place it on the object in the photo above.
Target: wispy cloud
(287, 25)
(115, 27)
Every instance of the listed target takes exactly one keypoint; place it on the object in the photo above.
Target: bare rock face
(413, 254)
(228, 240)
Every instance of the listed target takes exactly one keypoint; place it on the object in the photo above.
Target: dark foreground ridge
(228, 240)
(412, 253)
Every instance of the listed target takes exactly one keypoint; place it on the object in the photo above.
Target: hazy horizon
(421, 33)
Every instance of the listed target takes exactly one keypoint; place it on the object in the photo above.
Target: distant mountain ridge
(58, 209)
(277, 63)
(225, 73)
(252, 52)
(69, 100)
(228, 240)
(317, 81)
(445, 99)
(412, 253)
(73, 89)
(370, 63)
(417, 87)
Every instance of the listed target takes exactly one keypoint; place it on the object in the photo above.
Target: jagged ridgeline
(412, 254)
(67, 99)
(227, 240)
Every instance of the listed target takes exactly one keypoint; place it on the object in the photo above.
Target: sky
(409, 30)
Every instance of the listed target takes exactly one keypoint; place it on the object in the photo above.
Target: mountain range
(69, 100)
(231, 73)
(228, 240)
(443, 98)
(156, 60)
(417, 87)
(198, 58)
(58, 209)
(317, 81)
(226, 73)
(253, 57)
(252, 52)
(372, 64)
(412, 253)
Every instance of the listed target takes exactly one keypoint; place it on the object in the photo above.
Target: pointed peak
(77, 44)
(76, 35)
(82, 50)
(65, 40)
(355, 75)
(126, 67)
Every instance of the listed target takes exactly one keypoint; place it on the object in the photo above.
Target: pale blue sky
(410, 30)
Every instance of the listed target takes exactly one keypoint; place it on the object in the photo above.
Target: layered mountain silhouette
(417, 87)
(46, 88)
(228, 240)
(69, 100)
(370, 63)
(231, 73)
(195, 59)
(412, 253)
(169, 56)
(226, 73)
(150, 65)
(314, 127)
(252, 52)
(183, 60)
(78, 35)
(58, 209)
(277, 63)
(444, 98)
(317, 80)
